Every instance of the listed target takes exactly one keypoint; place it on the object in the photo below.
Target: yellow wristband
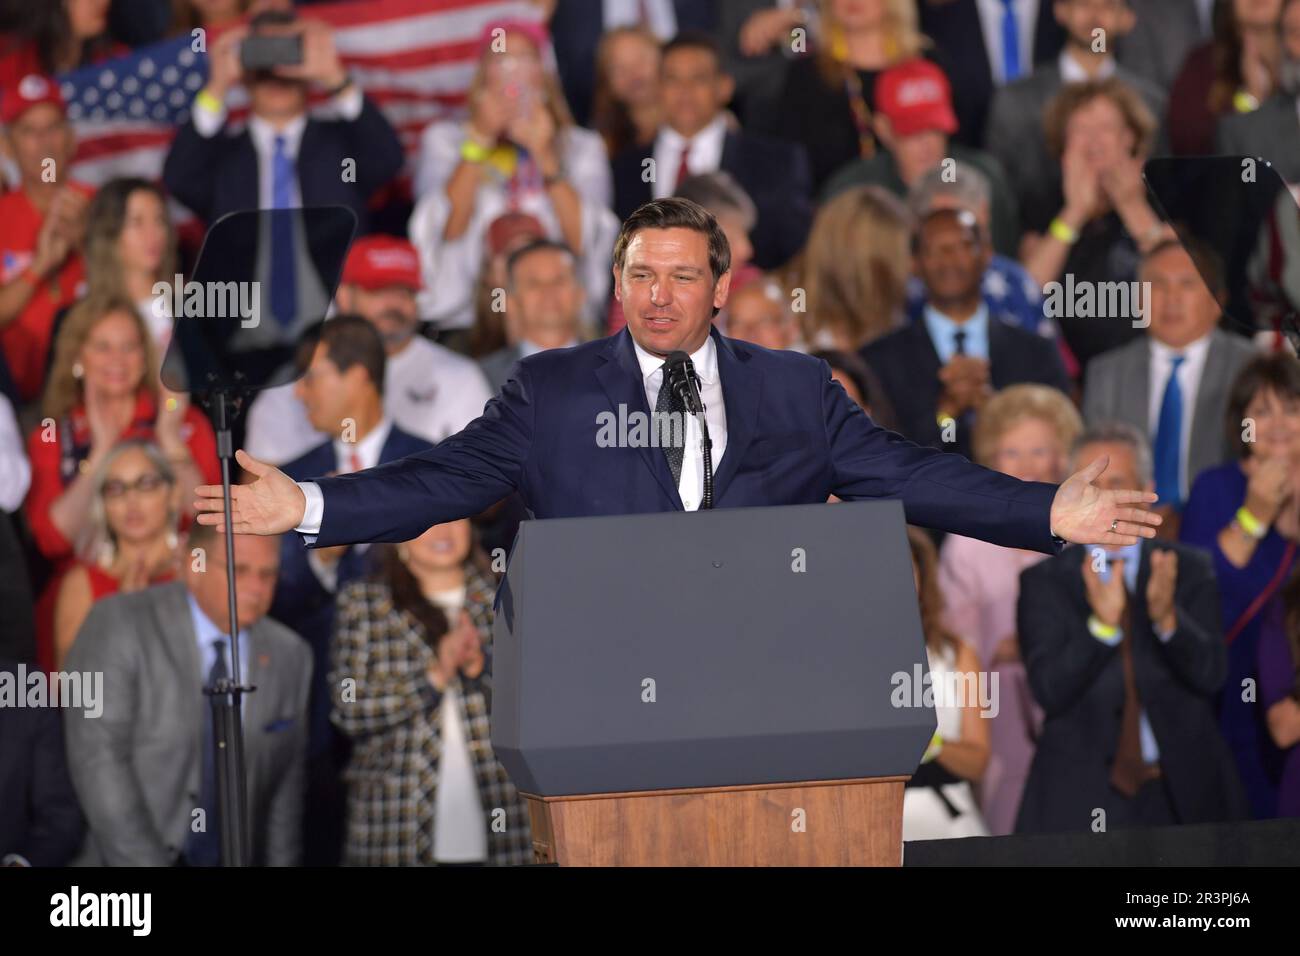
(1060, 230)
(1250, 524)
(209, 102)
(1104, 632)
(473, 152)
(1244, 102)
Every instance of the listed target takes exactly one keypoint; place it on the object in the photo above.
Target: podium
(730, 687)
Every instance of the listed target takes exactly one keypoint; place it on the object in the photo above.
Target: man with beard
(431, 391)
(939, 371)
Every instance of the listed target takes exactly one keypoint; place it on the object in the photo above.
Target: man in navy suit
(695, 139)
(284, 158)
(783, 431)
(343, 393)
(939, 370)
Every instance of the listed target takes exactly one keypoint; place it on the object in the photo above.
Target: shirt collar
(264, 134)
(206, 630)
(368, 449)
(705, 360)
(974, 327)
(713, 133)
(1072, 72)
(1193, 352)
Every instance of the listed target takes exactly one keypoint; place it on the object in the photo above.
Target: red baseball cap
(32, 90)
(509, 227)
(377, 262)
(916, 98)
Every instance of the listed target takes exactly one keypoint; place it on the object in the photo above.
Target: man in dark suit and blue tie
(938, 371)
(783, 433)
(284, 158)
(342, 391)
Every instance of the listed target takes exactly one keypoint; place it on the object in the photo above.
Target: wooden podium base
(813, 823)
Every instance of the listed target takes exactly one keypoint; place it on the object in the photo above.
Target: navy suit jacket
(775, 174)
(301, 602)
(793, 437)
(954, 27)
(219, 175)
(1079, 683)
(908, 367)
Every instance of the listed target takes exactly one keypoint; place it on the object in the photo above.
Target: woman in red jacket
(103, 388)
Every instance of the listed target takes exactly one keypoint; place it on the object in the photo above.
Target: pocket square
(278, 725)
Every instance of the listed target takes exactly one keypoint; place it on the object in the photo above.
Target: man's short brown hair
(1137, 117)
(676, 213)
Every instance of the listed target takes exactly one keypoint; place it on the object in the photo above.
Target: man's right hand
(1106, 598)
(272, 504)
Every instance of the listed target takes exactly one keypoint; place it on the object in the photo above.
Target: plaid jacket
(392, 713)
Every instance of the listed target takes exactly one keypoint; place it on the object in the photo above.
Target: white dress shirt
(1072, 72)
(15, 469)
(690, 485)
(430, 392)
(1189, 383)
(705, 155)
(659, 15)
(990, 12)
(459, 823)
(705, 359)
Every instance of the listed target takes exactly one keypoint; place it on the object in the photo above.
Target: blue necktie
(1169, 438)
(1010, 41)
(284, 279)
(204, 849)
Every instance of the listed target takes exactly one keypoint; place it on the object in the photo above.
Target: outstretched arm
(396, 501)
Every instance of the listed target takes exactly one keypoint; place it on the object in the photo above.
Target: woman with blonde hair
(855, 268)
(517, 151)
(133, 537)
(1025, 431)
(828, 100)
(103, 388)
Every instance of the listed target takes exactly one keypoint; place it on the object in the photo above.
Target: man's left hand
(320, 59)
(1082, 513)
(1160, 589)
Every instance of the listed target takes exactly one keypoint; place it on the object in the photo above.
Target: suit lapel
(620, 377)
(1207, 441)
(742, 390)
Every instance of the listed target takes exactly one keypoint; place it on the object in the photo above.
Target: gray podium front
(719, 660)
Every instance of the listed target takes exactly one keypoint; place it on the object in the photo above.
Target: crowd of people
(899, 181)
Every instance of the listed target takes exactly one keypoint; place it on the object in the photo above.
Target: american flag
(414, 58)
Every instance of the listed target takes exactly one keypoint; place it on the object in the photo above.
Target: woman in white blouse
(518, 150)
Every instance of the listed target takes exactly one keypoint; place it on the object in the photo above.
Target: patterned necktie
(284, 279)
(670, 421)
(1010, 41)
(204, 849)
(1169, 438)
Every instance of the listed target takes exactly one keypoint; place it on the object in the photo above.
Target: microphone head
(677, 361)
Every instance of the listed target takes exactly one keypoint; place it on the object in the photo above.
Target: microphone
(683, 380)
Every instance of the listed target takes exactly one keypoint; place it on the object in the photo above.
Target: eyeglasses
(148, 483)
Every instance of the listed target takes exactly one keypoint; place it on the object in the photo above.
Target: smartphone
(263, 52)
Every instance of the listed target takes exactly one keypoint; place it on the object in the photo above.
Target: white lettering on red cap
(920, 90)
(392, 259)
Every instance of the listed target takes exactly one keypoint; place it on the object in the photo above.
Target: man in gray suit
(1015, 127)
(144, 767)
(544, 305)
(1173, 383)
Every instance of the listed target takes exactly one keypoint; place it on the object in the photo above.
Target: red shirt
(26, 340)
(55, 463)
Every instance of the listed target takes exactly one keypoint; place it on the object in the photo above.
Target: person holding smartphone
(518, 151)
